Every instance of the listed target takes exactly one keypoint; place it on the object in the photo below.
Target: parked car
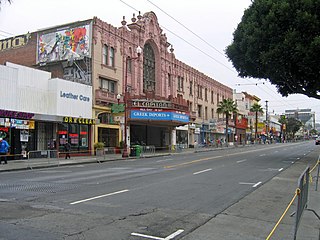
(317, 140)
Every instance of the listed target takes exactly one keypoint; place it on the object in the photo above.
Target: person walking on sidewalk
(4, 149)
(67, 148)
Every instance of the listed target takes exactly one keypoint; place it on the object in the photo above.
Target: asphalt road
(153, 198)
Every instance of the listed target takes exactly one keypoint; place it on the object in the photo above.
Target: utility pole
(267, 123)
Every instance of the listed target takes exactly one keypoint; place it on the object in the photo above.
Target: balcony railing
(103, 96)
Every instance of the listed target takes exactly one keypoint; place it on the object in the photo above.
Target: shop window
(74, 135)
(84, 135)
(63, 133)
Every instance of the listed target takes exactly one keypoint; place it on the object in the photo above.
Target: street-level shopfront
(18, 130)
(153, 122)
(42, 113)
(77, 131)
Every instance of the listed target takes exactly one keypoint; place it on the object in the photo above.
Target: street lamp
(128, 58)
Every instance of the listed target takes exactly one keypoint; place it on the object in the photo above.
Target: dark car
(317, 140)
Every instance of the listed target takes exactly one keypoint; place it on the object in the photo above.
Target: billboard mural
(69, 43)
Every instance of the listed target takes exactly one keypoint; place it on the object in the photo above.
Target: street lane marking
(146, 236)
(240, 161)
(246, 183)
(257, 184)
(262, 155)
(173, 235)
(203, 171)
(253, 184)
(101, 196)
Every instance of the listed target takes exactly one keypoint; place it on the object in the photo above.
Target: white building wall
(8, 83)
(29, 90)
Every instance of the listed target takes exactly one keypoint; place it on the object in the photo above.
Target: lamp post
(125, 99)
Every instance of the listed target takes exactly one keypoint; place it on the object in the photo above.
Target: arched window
(149, 73)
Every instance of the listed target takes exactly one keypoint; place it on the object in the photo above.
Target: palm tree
(227, 107)
(256, 108)
(283, 120)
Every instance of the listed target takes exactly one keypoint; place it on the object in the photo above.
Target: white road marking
(246, 183)
(146, 236)
(253, 184)
(262, 155)
(171, 236)
(101, 196)
(240, 161)
(280, 169)
(209, 169)
(288, 161)
(257, 184)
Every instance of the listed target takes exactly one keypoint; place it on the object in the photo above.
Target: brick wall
(24, 55)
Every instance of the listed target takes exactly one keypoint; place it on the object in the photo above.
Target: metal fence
(303, 185)
(147, 150)
(41, 157)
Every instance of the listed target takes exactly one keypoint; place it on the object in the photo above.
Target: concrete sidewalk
(36, 163)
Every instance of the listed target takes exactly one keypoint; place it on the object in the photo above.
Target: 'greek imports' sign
(159, 116)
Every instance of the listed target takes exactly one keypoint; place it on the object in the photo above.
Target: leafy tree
(9, 1)
(313, 131)
(293, 126)
(256, 108)
(284, 123)
(227, 107)
(280, 41)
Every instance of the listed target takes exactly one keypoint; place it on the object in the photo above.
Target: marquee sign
(151, 104)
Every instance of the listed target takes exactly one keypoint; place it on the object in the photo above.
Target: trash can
(133, 152)
(138, 150)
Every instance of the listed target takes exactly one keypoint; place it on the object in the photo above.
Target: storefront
(41, 113)
(17, 132)
(154, 123)
(77, 132)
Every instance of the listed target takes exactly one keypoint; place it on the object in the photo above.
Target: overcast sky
(198, 30)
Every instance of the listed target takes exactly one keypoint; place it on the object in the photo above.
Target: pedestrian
(4, 149)
(67, 148)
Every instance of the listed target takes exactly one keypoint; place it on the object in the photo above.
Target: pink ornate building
(168, 102)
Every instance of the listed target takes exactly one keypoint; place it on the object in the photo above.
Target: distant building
(245, 121)
(306, 116)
